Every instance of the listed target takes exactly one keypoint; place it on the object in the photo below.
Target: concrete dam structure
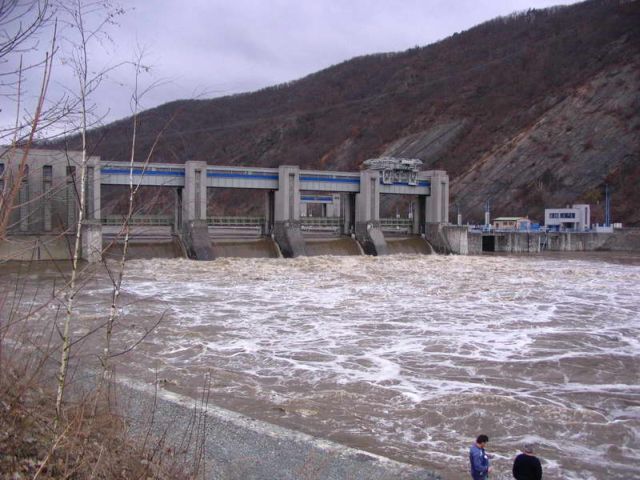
(45, 209)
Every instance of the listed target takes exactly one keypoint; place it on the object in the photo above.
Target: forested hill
(540, 108)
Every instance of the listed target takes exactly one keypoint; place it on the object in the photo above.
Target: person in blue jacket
(479, 459)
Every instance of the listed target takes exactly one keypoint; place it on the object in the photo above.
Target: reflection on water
(407, 356)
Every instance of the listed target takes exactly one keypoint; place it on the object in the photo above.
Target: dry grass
(90, 440)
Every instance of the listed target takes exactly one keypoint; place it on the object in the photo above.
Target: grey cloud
(221, 47)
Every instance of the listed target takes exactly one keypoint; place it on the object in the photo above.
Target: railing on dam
(322, 224)
(322, 221)
(139, 220)
(387, 224)
(235, 221)
(396, 225)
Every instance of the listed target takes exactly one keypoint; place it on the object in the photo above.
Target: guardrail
(392, 222)
(399, 225)
(139, 220)
(235, 221)
(490, 229)
(321, 221)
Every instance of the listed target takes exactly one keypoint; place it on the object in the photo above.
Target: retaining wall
(518, 242)
(453, 239)
(36, 247)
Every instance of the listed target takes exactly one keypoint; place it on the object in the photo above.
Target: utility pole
(487, 213)
(607, 206)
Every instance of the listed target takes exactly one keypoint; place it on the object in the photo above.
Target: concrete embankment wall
(518, 242)
(453, 239)
(145, 242)
(237, 447)
(574, 242)
(621, 240)
(37, 247)
(139, 250)
(458, 240)
(529, 242)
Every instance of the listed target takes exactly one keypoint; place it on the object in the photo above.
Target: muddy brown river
(408, 356)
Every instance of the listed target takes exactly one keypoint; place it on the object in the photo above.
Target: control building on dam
(43, 188)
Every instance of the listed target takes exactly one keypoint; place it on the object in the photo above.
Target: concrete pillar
(287, 231)
(269, 212)
(194, 195)
(195, 232)
(368, 200)
(93, 190)
(91, 233)
(348, 207)
(196, 240)
(177, 210)
(287, 198)
(367, 224)
(419, 215)
(91, 241)
(437, 204)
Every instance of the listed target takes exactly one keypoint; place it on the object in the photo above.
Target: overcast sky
(209, 48)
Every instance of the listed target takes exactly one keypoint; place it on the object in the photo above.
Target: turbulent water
(407, 356)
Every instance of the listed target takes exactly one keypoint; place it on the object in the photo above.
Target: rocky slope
(538, 109)
(586, 138)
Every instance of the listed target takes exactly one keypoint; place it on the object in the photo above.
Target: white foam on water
(418, 354)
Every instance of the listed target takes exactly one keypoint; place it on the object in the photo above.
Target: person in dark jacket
(479, 459)
(527, 466)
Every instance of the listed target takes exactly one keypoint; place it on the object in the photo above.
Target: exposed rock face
(565, 155)
(429, 145)
(537, 109)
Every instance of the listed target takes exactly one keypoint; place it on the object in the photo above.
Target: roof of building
(509, 219)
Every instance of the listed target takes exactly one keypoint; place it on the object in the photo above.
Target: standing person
(527, 466)
(479, 459)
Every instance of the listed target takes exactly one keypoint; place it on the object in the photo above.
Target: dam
(46, 188)
(300, 212)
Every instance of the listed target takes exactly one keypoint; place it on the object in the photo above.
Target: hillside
(541, 108)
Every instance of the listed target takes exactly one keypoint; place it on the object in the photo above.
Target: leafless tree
(77, 14)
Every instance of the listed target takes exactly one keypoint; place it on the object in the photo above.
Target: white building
(576, 217)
